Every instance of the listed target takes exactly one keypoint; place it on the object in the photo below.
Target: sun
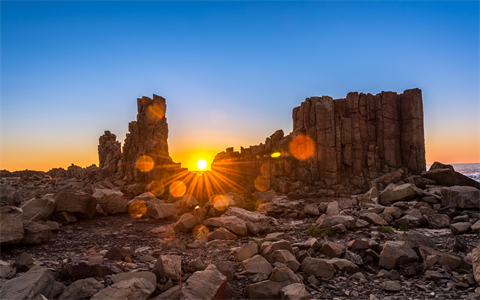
(202, 164)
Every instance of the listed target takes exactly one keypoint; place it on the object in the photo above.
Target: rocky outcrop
(89, 173)
(341, 144)
(109, 156)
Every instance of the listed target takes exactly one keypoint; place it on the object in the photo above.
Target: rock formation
(339, 144)
(145, 151)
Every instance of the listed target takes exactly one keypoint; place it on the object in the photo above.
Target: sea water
(470, 170)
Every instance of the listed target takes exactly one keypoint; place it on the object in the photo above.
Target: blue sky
(231, 71)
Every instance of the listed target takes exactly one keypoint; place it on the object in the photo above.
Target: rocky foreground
(406, 238)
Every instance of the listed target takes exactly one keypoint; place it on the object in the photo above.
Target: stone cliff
(339, 144)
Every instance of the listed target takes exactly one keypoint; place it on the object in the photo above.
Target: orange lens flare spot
(155, 111)
(137, 209)
(275, 154)
(200, 233)
(178, 188)
(302, 147)
(156, 188)
(145, 163)
(262, 183)
(168, 235)
(202, 164)
(221, 202)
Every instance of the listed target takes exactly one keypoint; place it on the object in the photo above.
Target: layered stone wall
(337, 144)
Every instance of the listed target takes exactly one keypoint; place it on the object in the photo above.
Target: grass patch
(385, 229)
(315, 231)
(403, 228)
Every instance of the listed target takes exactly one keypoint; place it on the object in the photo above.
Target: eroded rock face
(348, 141)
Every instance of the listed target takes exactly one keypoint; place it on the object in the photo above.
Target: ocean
(470, 170)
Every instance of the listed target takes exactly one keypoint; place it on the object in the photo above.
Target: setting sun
(202, 164)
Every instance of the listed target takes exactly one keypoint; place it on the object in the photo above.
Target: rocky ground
(412, 240)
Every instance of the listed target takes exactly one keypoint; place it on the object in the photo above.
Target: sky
(231, 72)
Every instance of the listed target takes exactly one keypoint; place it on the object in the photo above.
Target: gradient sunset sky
(231, 72)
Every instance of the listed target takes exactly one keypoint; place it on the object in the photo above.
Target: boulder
(186, 223)
(460, 227)
(347, 221)
(115, 203)
(65, 217)
(295, 291)
(286, 257)
(437, 221)
(408, 221)
(208, 284)
(461, 197)
(24, 262)
(311, 210)
(395, 254)
(35, 233)
(81, 268)
(118, 253)
(433, 257)
(330, 249)
(39, 209)
(131, 289)
(368, 196)
(264, 290)
(318, 267)
(284, 275)
(11, 227)
(79, 203)
(476, 264)
(282, 244)
(395, 193)
(173, 293)
(332, 209)
(373, 218)
(221, 234)
(344, 265)
(245, 251)
(141, 274)
(258, 265)
(226, 268)
(168, 266)
(443, 177)
(255, 222)
(37, 281)
(232, 223)
(158, 210)
(80, 289)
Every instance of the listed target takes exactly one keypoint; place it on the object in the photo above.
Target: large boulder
(208, 284)
(461, 197)
(186, 223)
(37, 281)
(395, 193)
(80, 289)
(232, 223)
(255, 221)
(158, 210)
(395, 254)
(245, 251)
(257, 264)
(131, 289)
(115, 203)
(443, 177)
(11, 228)
(39, 209)
(35, 233)
(318, 267)
(79, 203)
(168, 266)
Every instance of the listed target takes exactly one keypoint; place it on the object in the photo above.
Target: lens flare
(262, 183)
(302, 147)
(221, 202)
(267, 170)
(275, 154)
(168, 235)
(137, 209)
(145, 163)
(155, 111)
(202, 164)
(156, 187)
(200, 233)
(178, 188)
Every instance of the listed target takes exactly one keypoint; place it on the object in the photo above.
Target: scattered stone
(258, 265)
(226, 268)
(391, 286)
(256, 222)
(35, 233)
(221, 234)
(373, 218)
(295, 291)
(476, 264)
(114, 203)
(264, 290)
(395, 254)
(24, 262)
(330, 249)
(34, 282)
(311, 210)
(461, 227)
(344, 265)
(168, 266)
(208, 284)
(232, 223)
(186, 223)
(141, 274)
(80, 289)
(11, 228)
(347, 221)
(160, 210)
(39, 209)
(117, 253)
(131, 289)
(284, 275)
(245, 251)
(318, 267)
(286, 257)
(401, 192)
